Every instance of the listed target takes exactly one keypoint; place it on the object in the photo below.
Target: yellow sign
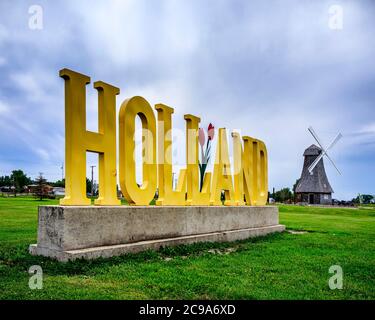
(247, 185)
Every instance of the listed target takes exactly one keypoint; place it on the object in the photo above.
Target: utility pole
(92, 180)
(173, 173)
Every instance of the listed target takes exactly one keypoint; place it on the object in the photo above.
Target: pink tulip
(201, 137)
(211, 131)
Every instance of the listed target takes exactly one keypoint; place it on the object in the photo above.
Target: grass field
(281, 266)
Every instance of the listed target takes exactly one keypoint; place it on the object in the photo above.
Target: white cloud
(42, 153)
(3, 108)
(368, 129)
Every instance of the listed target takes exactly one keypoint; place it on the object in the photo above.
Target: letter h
(78, 140)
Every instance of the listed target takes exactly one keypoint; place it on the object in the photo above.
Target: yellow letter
(128, 111)
(255, 171)
(194, 196)
(166, 194)
(78, 140)
(222, 177)
(238, 169)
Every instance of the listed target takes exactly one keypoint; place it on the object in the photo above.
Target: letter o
(130, 108)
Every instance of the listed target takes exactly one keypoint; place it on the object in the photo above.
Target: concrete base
(69, 233)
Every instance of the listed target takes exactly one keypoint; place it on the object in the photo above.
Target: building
(33, 188)
(313, 188)
(58, 191)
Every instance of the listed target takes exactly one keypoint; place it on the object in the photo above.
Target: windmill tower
(313, 186)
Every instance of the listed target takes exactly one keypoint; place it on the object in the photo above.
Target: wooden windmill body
(313, 187)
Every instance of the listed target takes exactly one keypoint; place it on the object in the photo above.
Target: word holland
(247, 185)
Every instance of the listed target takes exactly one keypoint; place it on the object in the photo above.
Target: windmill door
(311, 198)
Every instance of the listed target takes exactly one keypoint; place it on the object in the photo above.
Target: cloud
(270, 69)
(368, 129)
(43, 153)
(3, 33)
(3, 108)
(27, 83)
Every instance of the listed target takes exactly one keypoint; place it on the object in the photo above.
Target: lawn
(280, 266)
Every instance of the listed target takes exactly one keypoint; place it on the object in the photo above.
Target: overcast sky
(267, 68)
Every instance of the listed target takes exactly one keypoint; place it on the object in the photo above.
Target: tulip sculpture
(205, 154)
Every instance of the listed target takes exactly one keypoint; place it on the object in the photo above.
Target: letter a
(222, 177)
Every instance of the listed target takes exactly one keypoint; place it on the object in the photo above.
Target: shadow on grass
(18, 257)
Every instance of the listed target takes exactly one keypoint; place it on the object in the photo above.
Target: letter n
(78, 140)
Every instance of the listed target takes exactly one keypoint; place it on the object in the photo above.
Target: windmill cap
(313, 150)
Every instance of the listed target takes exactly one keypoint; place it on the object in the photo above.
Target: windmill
(313, 186)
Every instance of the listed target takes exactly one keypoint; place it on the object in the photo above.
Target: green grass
(280, 266)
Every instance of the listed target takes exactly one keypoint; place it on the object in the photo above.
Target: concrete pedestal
(73, 232)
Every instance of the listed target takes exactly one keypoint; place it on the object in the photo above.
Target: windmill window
(324, 185)
(326, 197)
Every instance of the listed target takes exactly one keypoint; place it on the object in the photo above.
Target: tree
(366, 198)
(363, 198)
(41, 187)
(19, 180)
(5, 181)
(283, 195)
(88, 187)
(59, 183)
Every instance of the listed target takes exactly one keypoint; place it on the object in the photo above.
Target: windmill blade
(324, 151)
(315, 137)
(315, 162)
(329, 158)
(338, 137)
(313, 165)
